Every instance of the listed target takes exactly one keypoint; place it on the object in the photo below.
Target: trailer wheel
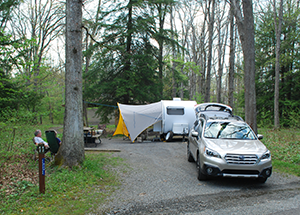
(169, 136)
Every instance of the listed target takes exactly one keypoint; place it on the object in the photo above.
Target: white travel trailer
(168, 117)
(177, 118)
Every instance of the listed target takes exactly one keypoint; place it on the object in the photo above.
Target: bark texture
(231, 60)
(72, 149)
(209, 60)
(245, 24)
(277, 64)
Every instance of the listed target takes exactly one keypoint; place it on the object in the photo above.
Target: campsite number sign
(41, 150)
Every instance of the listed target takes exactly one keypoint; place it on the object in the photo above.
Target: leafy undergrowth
(284, 145)
(79, 190)
(16, 174)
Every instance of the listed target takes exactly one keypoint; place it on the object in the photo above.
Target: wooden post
(41, 150)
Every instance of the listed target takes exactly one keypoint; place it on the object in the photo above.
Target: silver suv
(224, 145)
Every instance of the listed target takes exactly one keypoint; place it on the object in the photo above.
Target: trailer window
(175, 111)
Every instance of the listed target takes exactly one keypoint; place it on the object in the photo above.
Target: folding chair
(52, 142)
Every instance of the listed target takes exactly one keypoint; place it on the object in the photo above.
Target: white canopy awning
(139, 117)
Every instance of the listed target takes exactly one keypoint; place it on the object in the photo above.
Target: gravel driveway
(160, 180)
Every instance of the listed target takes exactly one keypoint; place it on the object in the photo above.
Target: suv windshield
(228, 130)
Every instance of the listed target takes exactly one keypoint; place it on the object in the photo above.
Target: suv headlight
(266, 155)
(211, 153)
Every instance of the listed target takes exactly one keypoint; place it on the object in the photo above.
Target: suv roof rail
(212, 107)
(206, 117)
(238, 118)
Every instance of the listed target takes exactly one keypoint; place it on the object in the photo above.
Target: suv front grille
(241, 159)
(243, 172)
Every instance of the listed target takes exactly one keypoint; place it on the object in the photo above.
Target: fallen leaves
(15, 174)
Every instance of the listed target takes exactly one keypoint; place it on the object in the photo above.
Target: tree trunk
(161, 15)
(88, 58)
(277, 65)
(127, 66)
(249, 58)
(222, 38)
(193, 79)
(87, 63)
(210, 41)
(220, 69)
(246, 31)
(202, 58)
(71, 152)
(174, 55)
(231, 60)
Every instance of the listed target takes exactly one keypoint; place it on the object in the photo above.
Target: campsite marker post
(41, 150)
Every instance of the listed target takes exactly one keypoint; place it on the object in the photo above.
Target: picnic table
(91, 136)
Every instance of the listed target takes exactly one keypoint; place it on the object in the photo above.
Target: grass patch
(18, 138)
(284, 145)
(79, 190)
(285, 167)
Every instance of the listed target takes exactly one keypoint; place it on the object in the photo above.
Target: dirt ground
(160, 180)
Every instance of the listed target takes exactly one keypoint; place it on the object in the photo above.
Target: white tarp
(139, 117)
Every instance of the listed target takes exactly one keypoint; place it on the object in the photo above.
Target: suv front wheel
(201, 176)
(262, 180)
(189, 154)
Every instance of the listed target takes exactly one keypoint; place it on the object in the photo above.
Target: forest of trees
(138, 52)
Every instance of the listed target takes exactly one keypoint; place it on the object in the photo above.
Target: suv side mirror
(260, 137)
(195, 134)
